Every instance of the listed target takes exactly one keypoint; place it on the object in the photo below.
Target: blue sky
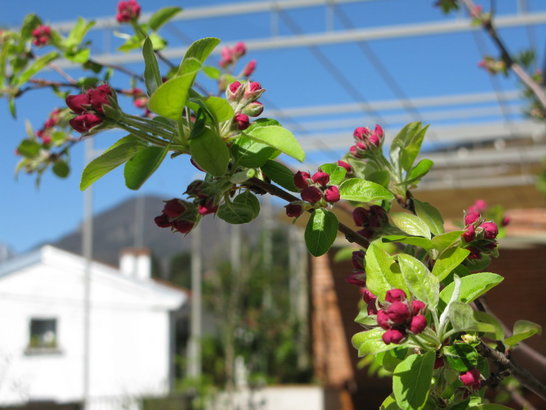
(423, 66)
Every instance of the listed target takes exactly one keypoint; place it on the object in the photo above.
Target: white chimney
(136, 263)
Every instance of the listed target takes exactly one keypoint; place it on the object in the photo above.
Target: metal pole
(194, 350)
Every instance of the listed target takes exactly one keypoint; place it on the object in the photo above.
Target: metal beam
(481, 157)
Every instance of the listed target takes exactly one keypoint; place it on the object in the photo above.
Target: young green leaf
(412, 379)
(337, 173)
(523, 329)
(243, 209)
(34, 68)
(461, 356)
(419, 171)
(279, 138)
(29, 148)
(461, 317)
(78, 32)
(380, 276)
(430, 215)
(364, 319)
(280, 174)
(321, 231)
(162, 16)
(220, 108)
(496, 331)
(251, 153)
(472, 287)
(199, 50)
(210, 152)
(152, 75)
(410, 240)
(448, 261)
(420, 282)
(212, 72)
(411, 224)
(406, 145)
(142, 165)
(445, 240)
(359, 190)
(370, 342)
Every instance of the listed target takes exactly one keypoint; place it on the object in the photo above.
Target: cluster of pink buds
(345, 165)
(367, 141)
(140, 100)
(397, 315)
(44, 133)
(471, 378)
(128, 11)
(478, 233)
(206, 203)
(230, 55)
(316, 188)
(89, 107)
(243, 97)
(176, 215)
(41, 35)
(371, 220)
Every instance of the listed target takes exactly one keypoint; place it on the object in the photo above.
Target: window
(43, 334)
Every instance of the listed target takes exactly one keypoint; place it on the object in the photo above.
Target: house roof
(161, 294)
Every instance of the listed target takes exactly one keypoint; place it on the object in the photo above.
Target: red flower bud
(393, 336)
(140, 102)
(162, 221)
(207, 207)
(471, 217)
(84, 122)
(345, 165)
(332, 194)
(226, 55)
(239, 49)
(395, 295)
(361, 133)
(234, 91)
(469, 233)
(356, 279)
(366, 233)
(471, 379)
(438, 363)
(378, 216)
(383, 320)
(241, 121)
(358, 260)
(99, 97)
(398, 312)
(183, 226)
(173, 208)
(368, 297)
(474, 253)
(249, 68)
(51, 122)
(490, 230)
(360, 216)
(300, 179)
(321, 178)
(417, 307)
(371, 309)
(505, 221)
(311, 194)
(78, 103)
(127, 11)
(41, 35)
(253, 90)
(293, 210)
(418, 324)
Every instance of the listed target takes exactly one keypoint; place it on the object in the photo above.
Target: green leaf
(523, 329)
(380, 276)
(448, 261)
(472, 287)
(152, 75)
(406, 145)
(61, 168)
(212, 72)
(35, 67)
(162, 16)
(420, 282)
(430, 215)
(279, 138)
(495, 331)
(220, 108)
(444, 241)
(199, 50)
(210, 152)
(461, 356)
(280, 174)
(321, 231)
(490, 406)
(461, 316)
(30, 22)
(251, 153)
(364, 319)
(360, 190)
(412, 379)
(419, 171)
(370, 342)
(337, 173)
(410, 240)
(411, 224)
(78, 32)
(344, 254)
(78, 56)
(142, 165)
(389, 404)
(158, 42)
(29, 148)
(244, 208)
(122, 151)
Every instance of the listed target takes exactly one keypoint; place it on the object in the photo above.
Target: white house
(42, 328)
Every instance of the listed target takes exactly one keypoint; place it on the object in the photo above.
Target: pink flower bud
(321, 178)
(371, 309)
(383, 320)
(398, 312)
(162, 221)
(480, 205)
(353, 150)
(127, 11)
(311, 194)
(417, 307)
(471, 379)
(183, 226)
(234, 91)
(293, 210)
(41, 35)
(361, 133)
(226, 55)
(85, 122)
(358, 260)
(474, 253)
(239, 49)
(253, 109)
(51, 122)
(140, 102)
(241, 121)
(249, 68)
(301, 179)
(490, 230)
(173, 208)
(471, 217)
(356, 279)
(469, 233)
(78, 103)
(99, 97)
(395, 295)
(505, 220)
(360, 216)
(345, 165)
(378, 216)
(207, 207)
(418, 324)
(368, 297)
(253, 90)
(366, 233)
(393, 336)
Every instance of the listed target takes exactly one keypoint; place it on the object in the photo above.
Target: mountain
(117, 228)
